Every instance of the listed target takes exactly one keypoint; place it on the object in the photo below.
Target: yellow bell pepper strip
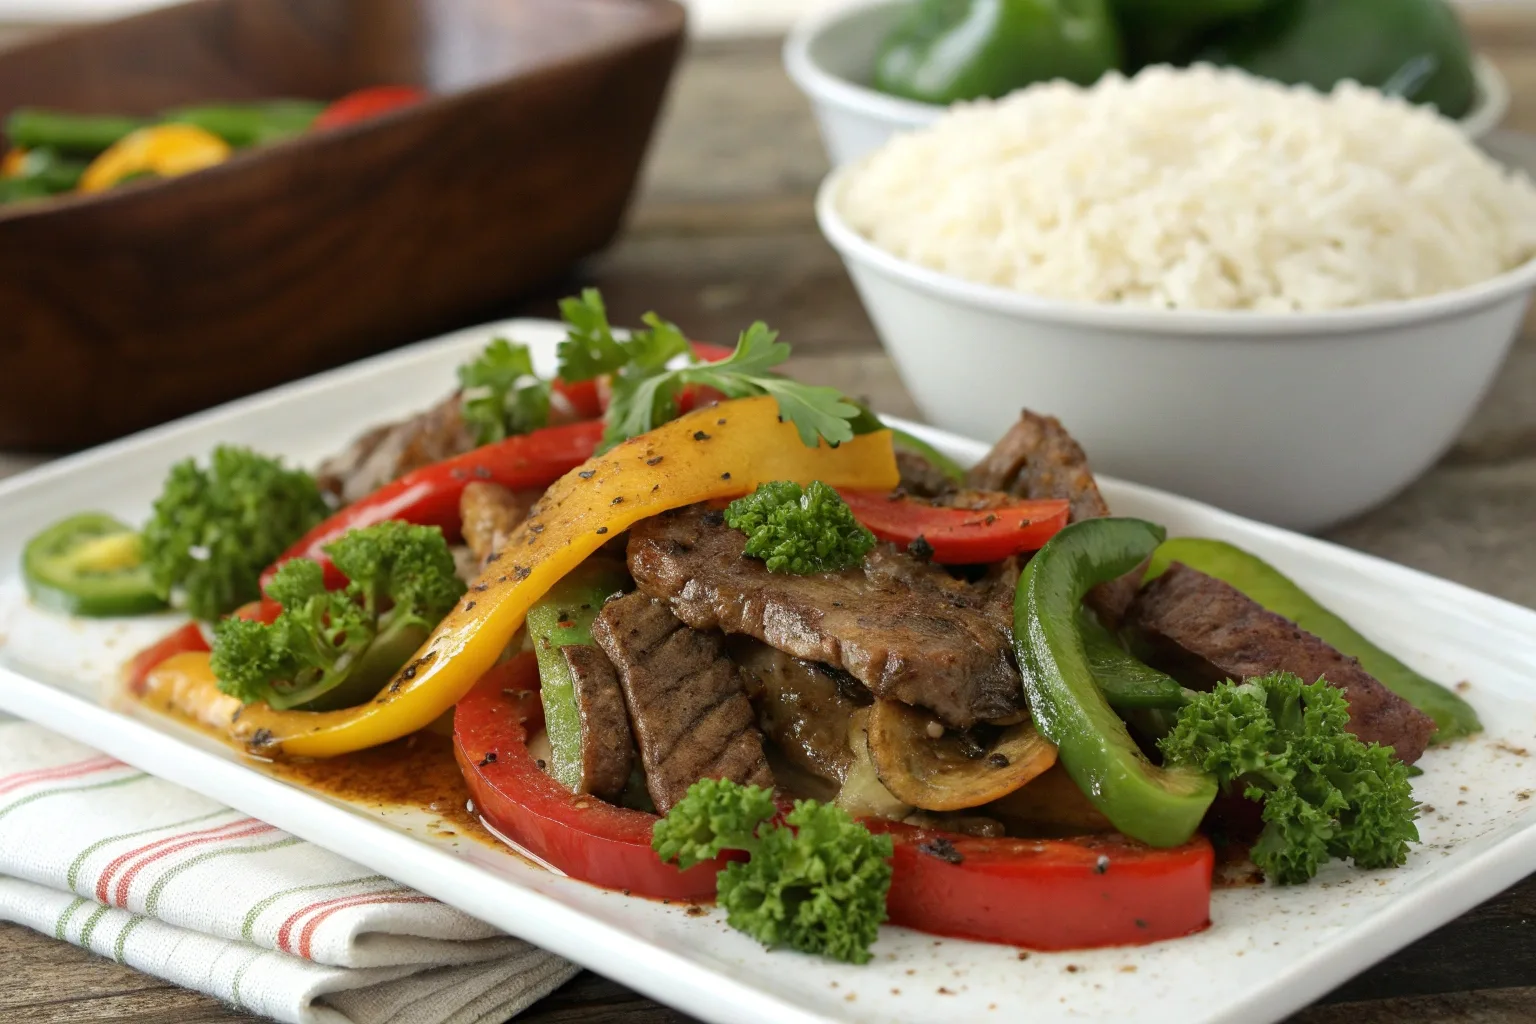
(723, 451)
(164, 150)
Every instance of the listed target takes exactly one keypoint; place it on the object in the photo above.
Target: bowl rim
(1489, 106)
(855, 248)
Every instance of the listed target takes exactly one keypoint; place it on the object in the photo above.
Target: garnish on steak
(905, 629)
(1202, 630)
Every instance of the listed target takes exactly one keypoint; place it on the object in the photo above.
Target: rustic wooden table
(723, 234)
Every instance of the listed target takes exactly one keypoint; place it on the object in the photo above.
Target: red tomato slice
(583, 836)
(1048, 893)
(959, 536)
(187, 638)
(366, 103)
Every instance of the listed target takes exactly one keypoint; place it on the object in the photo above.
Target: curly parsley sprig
(1285, 743)
(816, 883)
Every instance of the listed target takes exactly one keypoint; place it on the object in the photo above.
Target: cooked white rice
(1197, 189)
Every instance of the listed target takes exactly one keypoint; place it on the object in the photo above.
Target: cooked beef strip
(607, 747)
(1203, 631)
(490, 512)
(389, 452)
(691, 717)
(803, 706)
(903, 628)
(921, 477)
(1037, 458)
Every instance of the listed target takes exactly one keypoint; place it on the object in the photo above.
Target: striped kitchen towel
(104, 856)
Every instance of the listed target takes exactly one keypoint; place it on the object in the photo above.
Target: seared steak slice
(490, 512)
(685, 698)
(607, 748)
(921, 477)
(389, 452)
(904, 629)
(1203, 631)
(803, 706)
(1037, 458)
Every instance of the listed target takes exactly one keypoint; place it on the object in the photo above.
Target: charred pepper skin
(1158, 806)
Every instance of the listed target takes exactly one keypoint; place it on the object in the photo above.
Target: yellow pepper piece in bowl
(722, 451)
(162, 150)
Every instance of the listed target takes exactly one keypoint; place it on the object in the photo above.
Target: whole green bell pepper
(1159, 806)
(1269, 587)
(949, 50)
(1412, 48)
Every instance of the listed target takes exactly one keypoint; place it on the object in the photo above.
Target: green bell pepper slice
(1159, 806)
(89, 564)
(250, 124)
(1416, 49)
(563, 618)
(80, 134)
(1128, 683)
(1269, 587)
(949, 50)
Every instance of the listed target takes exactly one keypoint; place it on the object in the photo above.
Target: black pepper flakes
(492, 557)
(469, 606)
(409, 673)
(489, 758)
(540, 763)
(943, 849)
(654, 462)
(458, 474)
(536, 528)
(699, 435)
(481, 588)
(482, 473)
(920, 549)
(1101, 866)
(617, 501)
(261, 738)
(997, 759)
(602, 530)
(720, 422)
(725, 476)
(520, 572)
(587, 474)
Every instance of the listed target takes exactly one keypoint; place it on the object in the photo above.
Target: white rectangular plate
(1268, 952)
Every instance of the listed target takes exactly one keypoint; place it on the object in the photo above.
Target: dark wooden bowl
(127, 308)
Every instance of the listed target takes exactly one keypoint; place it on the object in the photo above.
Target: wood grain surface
(723, 234)
(163, 297)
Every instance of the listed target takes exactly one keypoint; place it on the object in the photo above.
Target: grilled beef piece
(921, 477)
(1037, 458)
(685, 699)
(1203, 631)
(389, 452)
(607, 748)
(903, 628)
(803, 706)
(490, 512)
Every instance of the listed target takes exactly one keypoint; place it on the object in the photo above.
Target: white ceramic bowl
(1300, 420)
(831, 57)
